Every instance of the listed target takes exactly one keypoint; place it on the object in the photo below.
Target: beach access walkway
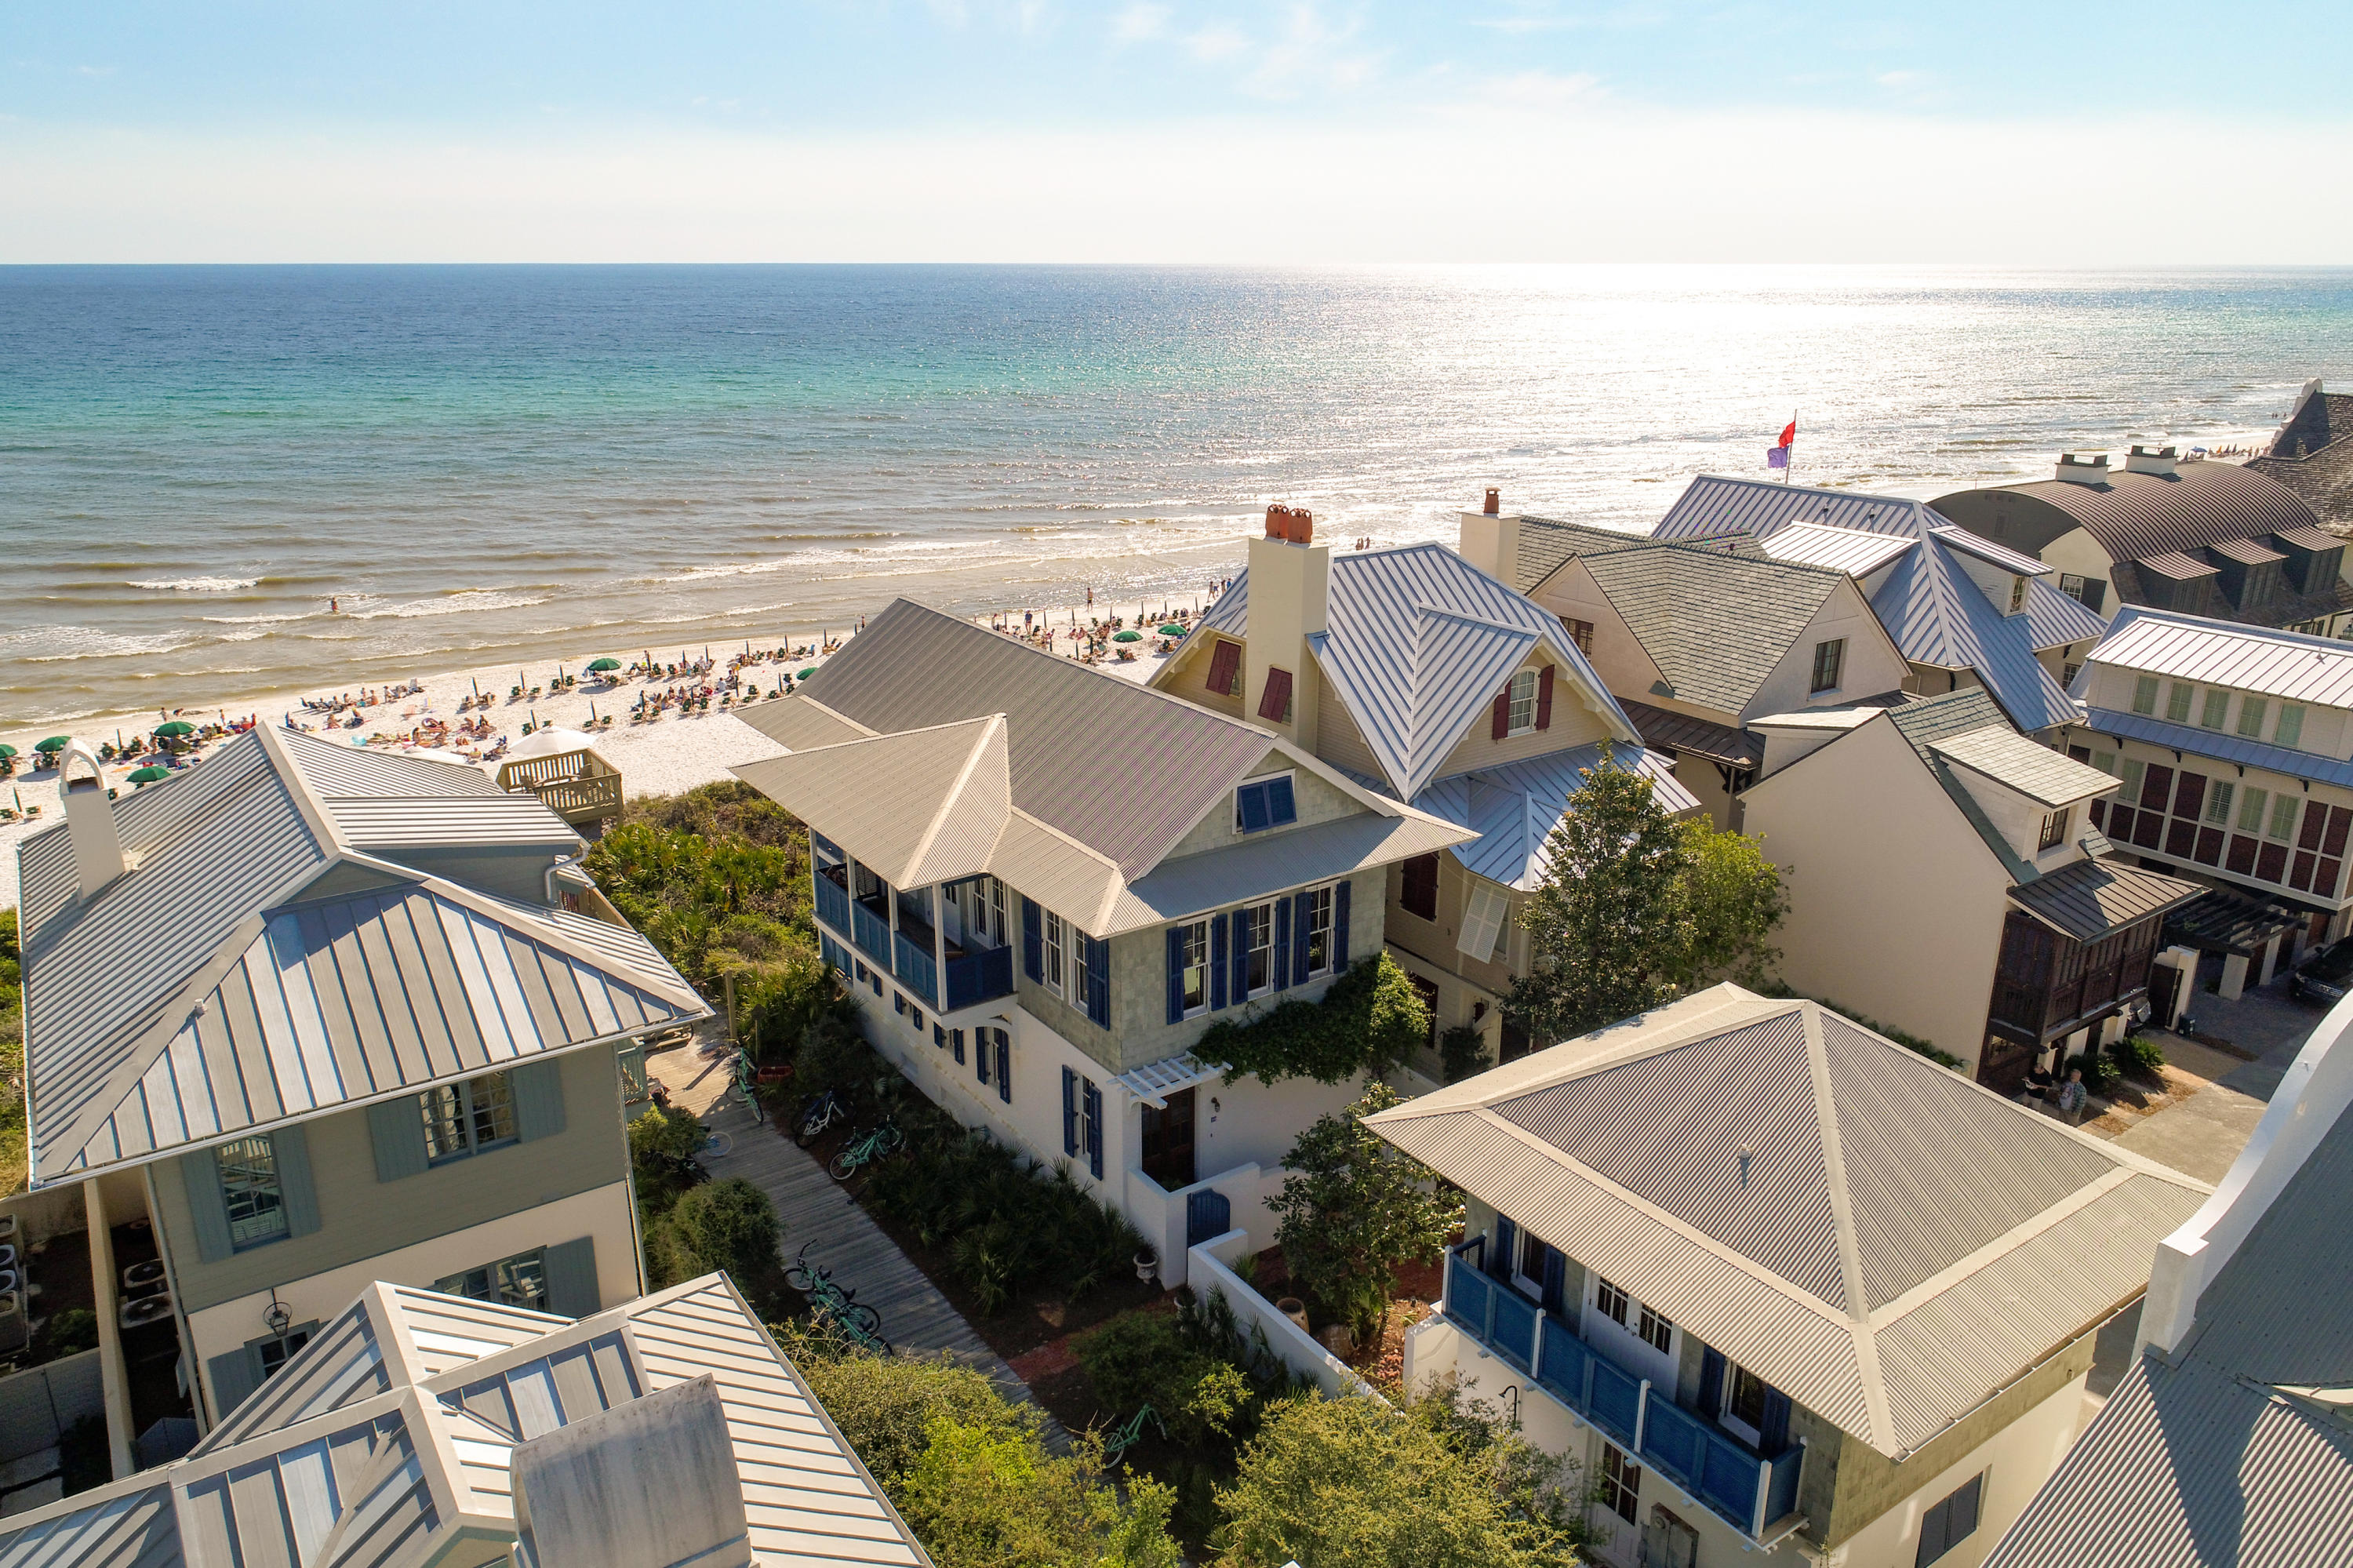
(917, 1318)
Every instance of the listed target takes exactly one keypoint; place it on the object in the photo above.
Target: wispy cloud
(1140, 22)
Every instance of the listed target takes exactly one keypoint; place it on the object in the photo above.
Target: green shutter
(397, 1128)
(200, 1174)
(300, 1193)
(538, 1100)
(235, 1374)
(571, 1270)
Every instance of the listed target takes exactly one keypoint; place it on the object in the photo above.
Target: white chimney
(1491, 541)
(90, 818)
(2077, 469)
(1290, 582)
(2159, 461)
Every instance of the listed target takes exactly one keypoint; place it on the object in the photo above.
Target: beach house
(1423, 679)
(2204, 537)
(2226, 1445)
(419, 1427)
(1786, 1292)
(304, 1017)
(1945, 877)
(2228, 742)
(1041, 884)
(1694, 640)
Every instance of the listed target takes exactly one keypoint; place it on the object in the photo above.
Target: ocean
(478, 464)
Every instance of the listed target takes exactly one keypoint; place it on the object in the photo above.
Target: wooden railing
(589, 799)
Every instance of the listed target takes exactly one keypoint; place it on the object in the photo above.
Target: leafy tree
(1442, 1483)
(1358, 1208)
(730, 1225)
(1637, 907)
(885, 1405)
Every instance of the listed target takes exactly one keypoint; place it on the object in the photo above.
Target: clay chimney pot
(1495, 503)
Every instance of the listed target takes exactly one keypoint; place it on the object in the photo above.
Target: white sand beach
(673, 751)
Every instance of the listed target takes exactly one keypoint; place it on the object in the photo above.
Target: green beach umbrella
(7, 751)
(1172, 630)
(149, 775)
(55, 743)
(175, 728)
(601, 665)
(1127, 637)
(805, 674)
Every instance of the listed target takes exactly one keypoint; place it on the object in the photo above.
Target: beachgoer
(2072, 1095)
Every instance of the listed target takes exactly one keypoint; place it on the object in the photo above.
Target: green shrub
(730, 1225)
(1145, 1357)
(1459, 1052)
(2139, 1056)
(1355, 1210)
(833, 1055)
(1368, 1020)
(2100, 1072)
(885, 1404)
(70, 1332)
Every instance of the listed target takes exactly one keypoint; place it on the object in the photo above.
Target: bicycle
(817, 1117)
(1129, 1433)
(715, 1144)
(866, 1149)
(745, 1076)
(831, 1307)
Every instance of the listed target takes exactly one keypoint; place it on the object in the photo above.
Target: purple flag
(1777, 457)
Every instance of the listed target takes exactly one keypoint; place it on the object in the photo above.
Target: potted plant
(1147, 1262)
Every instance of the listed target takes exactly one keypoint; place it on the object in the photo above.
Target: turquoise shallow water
(479, 462)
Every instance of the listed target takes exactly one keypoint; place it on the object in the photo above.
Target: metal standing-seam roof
(2087, 899)
(2196, 742)
(1514, 808)
(2285, 664)
(392, 1433)
(1885, 1239)
(2136, 515)
(256, 964)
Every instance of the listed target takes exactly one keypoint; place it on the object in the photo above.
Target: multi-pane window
(2251, 802)
(250, 1185)
(1612, 1301)
(1950, 1522)
(1057, 968)
(1744, 1398)
(1655, 1331)
(1255, 936)
(2054, 830)
(517, 1281)
(276, 1353)
(2282, 816)
(1621, 1486)
(2218, 800)
(1082, 976)
(1318, 933)
(467, 1118)
(1523, 702)
(1581, 634)
(2144, 694)
(1830, 658)
(2105, 761)
(2178, 699)
(2017, 595)
(2217, 709)
(2251, 712)
(1193, 965)
(2291, 726)
(2133, 772)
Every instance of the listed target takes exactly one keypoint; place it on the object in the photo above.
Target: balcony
(870, 929)
(833, 898)
(914, 968)
(1756, 1495)
(981, 975)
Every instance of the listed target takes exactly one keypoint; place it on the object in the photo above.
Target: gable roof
(2049, 778)
(261, 962)
(1936, 613)
(392, 1433)
(2136, 516)
(1514, 807)
(1416, 643)
(1716, 624)
(1887, 1241)
(2285, 664)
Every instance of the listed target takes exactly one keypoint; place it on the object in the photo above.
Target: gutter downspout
(114, 1374)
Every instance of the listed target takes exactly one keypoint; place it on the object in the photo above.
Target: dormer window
(2054, 830)
(1523, 702)
(1264, 803)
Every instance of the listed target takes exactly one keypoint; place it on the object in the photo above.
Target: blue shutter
(1278, 957)
(1280, 807)
(570, 1269)
(1217, 963)
(200, 1174)
(1033, 940)
(397, 1128)
(955, 1040)
(1238, 986)
(1508, 1240)
(980, 1057)
(1250, 802)
(1340, 928)
(1302, 920)
(1773, 1431)
(1555, 1283)
(538, 1100)
(1711, 1382)
(1091, 1102)
(1005, 1066)
(1069, 1112)
(295, 1188)
(1098, 981)
(235, 1374)
(1175, 974)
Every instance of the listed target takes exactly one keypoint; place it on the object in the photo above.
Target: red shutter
(2300, 870)
(2154, 786)
(2316, 821)
(2325, 885)
(2272, 863)
(2120, 824)
(2099, 815)
(2241, 860)
(1543, 698)
(2189, 795)
(2180, 838)
(2209, 846)
(2148, 829)
(1502, 726)
(2340, 819)
(1276, 703)
(1225, 664)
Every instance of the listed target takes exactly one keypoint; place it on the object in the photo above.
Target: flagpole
(1793, 448)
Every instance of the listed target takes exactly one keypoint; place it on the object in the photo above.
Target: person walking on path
(2072, 1096)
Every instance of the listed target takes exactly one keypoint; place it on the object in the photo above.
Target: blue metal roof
(1514, 809)
(2283, 759)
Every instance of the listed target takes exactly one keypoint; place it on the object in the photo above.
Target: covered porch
(948, 944)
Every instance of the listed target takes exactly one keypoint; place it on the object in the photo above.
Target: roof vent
(2078, 469)
(1293, 524)
(1494, 505)
(649, 1484)
(90, 818)
(2161, 461)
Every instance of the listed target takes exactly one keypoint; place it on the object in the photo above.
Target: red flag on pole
(1789, 434)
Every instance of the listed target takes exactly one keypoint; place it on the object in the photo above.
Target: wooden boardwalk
(916, 1317)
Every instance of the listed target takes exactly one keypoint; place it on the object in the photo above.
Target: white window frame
(1262, 918)
(1262, 780)
(2254, 805)
(1523, 701)
(1194, 935)
(2284, 815)
(1320, 902)
(1739, 1427)
(1055, 965)
(2220, 794)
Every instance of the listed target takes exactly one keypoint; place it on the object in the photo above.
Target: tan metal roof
(2090, 898)
(1853, 1222)
(2046, 777)
(917, 807)
(389, 1439)
(2285, 664)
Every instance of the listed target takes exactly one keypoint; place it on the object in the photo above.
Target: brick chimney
(1290, 579)
(90, 819)
(1491, 541)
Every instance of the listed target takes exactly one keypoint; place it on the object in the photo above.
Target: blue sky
(1168, 130)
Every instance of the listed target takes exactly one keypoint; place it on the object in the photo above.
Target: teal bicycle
(866, 1149)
